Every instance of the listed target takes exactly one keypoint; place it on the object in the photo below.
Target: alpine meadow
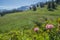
(40, 22)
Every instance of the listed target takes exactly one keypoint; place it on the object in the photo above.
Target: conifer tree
(53, 4)
(34, 8)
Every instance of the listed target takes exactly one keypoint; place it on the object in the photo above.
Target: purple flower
(36, 29)
(49, 26)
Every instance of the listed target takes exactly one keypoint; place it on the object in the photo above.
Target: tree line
(51, 6)
(9, 11)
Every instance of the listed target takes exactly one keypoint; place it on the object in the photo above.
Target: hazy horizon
(11, 4)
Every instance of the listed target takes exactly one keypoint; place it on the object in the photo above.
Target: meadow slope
(17, 20)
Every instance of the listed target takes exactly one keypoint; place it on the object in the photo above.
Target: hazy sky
(10, 4)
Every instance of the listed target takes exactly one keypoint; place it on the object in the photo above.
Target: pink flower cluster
(36, 29)
(49, 26)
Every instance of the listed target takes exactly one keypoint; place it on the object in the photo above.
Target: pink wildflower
(49, 26)
(36, 29)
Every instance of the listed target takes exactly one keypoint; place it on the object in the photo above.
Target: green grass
(18, 21)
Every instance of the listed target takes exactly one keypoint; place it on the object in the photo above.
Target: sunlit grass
(22, 24)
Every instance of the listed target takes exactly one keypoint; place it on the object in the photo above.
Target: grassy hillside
(20, 20)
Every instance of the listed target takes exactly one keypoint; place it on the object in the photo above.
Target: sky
(11, 4)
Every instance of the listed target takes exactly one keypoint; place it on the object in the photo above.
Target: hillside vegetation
(21, 24)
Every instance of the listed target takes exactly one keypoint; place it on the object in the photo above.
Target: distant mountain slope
(23, 8)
